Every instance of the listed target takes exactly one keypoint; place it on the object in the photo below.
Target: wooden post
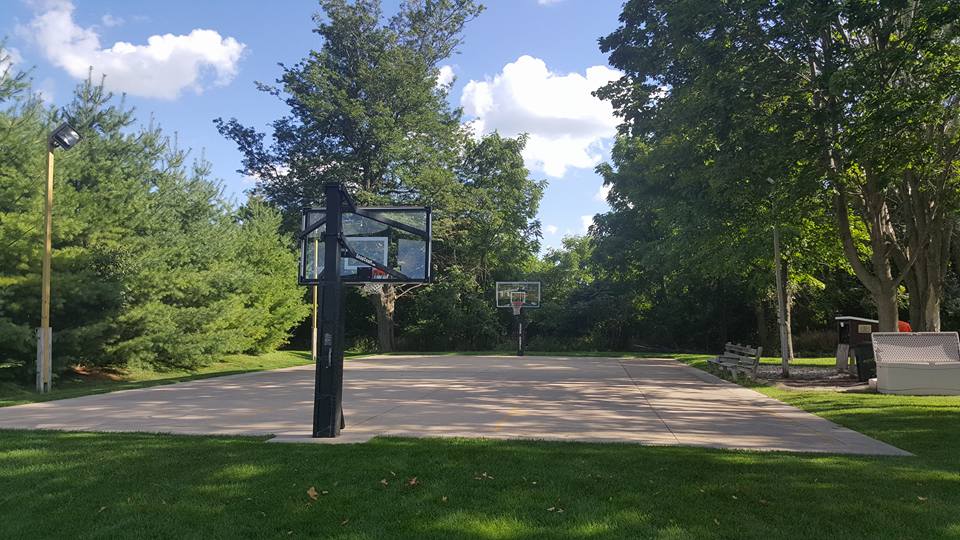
(45, 337)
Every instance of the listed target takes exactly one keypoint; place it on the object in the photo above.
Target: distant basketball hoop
(518, 295)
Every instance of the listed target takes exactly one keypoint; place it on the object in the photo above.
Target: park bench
(917, 363)
(738, 359)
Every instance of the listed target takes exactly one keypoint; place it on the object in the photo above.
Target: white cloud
(278, 172)
(46, 91)
(568, 127)
(162, 68)
(109, 20)
(585, 223)
(601, 194)
(445, 77)
(551, 229)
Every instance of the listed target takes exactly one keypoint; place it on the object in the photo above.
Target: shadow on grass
(76, 484)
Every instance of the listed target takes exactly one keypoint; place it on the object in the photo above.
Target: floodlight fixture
(64, 137)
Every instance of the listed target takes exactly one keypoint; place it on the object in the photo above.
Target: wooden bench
(738, 359)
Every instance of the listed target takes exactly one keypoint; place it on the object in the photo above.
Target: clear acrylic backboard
(380, 245)
(510, 291)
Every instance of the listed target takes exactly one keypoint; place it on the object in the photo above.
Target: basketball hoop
(517, 306)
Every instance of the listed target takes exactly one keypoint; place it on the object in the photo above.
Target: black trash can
(866, 365)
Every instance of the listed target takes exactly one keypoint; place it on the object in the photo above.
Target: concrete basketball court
(645, 401)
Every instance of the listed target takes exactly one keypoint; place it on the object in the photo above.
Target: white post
(781, 304)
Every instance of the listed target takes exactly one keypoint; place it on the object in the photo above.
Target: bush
(815, 343)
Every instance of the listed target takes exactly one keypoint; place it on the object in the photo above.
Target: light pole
(781, 289)
(63, 137)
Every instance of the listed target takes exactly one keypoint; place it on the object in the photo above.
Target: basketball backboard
(379, 245)
(513, 291)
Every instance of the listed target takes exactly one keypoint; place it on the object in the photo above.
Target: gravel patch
(812, 377)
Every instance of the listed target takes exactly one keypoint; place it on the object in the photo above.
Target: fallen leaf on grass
(344, 522)
(551, 509)
(102, 508)
(384, 482)
(443, 499)
(324, 492)
(413, 481)
(312, 493)
(919, 498)
(717, 521)
(763, 501)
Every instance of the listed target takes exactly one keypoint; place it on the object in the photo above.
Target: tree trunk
(880, 281)
(930, 234)
(887, 310)
(789, 294)
(931, 315)
(868, 197)
(385, 303)
(761, 324)
(916, 305)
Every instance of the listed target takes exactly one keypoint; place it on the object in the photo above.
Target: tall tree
(842, 88)
(365, 110)
(150, 263)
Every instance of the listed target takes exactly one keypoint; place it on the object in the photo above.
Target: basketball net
(517, 300)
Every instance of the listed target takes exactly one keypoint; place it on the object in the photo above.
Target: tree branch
(849, 248)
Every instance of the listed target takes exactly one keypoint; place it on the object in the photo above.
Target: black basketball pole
(520, 333)
(328, 387)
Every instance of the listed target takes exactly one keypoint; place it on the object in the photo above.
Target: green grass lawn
(66, 485)
(126, 485)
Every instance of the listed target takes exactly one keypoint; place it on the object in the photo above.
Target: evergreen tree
(150, 263)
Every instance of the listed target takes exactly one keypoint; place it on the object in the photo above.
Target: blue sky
(526, 65)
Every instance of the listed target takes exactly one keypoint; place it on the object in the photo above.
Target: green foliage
(849, 106)
(150, 264)
(455, 313)
(365, 109)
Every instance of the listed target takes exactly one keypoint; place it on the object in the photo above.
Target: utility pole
(45, 333)
(63, 137)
